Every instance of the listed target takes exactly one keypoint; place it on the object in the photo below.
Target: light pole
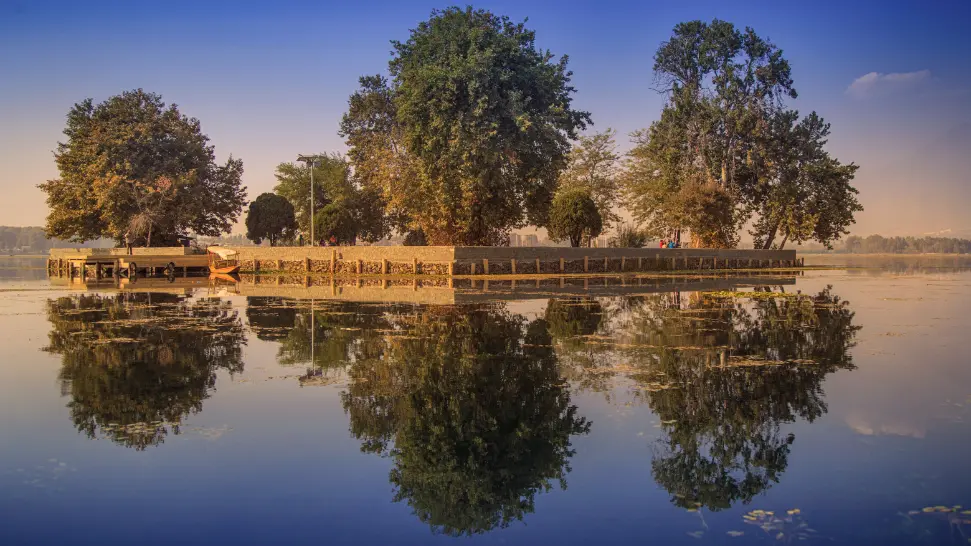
(310, 160)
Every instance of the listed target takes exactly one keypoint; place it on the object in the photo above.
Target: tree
(270, 217)
(574, 216)
(479, 118)
(592, 166)
(722, 85)
(341, 208)
(808, 195)
(135, 169)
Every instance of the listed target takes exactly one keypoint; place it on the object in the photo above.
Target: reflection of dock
(169, 285)
(462, 290)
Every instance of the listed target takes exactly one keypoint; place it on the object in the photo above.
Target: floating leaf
(696, 534)
(735, 533)
(793, 511)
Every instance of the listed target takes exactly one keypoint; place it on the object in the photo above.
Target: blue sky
(269, 81)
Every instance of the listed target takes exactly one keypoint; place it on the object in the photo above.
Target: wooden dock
(108, 263)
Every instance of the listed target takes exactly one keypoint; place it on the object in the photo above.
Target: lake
(831, 407)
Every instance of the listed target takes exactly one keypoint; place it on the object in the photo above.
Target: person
(333, 241)
(670, 244)
(663, 243)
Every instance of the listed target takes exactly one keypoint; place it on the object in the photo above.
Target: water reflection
(472, 402)
(470, 405)
(136, 365)
(722, 373)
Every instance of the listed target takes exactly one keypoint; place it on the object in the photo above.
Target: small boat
(224, 261)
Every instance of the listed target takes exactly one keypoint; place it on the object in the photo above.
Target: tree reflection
(135, 365)
(724, 375)
(469, 403)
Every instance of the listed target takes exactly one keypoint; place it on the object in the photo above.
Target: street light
(310, 160)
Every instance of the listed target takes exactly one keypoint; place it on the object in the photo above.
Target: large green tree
(135, 169)
(270, 217)
(574, 216)
(700, 165)
(479, 117)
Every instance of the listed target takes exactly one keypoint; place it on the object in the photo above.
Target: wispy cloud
(875, 83)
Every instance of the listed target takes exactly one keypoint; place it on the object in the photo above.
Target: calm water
(830, 408)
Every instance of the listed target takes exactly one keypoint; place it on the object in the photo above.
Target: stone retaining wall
(446, 260)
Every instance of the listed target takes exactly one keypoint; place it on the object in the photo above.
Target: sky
(269, 81)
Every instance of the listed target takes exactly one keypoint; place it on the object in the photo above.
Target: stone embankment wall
(447, 260)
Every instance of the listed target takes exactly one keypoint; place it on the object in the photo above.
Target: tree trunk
(771, 237)
(783, 243)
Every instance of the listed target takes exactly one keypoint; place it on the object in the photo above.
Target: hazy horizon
(268, 83)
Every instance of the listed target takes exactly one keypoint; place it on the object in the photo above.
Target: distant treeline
(877, 244)
(30, 240)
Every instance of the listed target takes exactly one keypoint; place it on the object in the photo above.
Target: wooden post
(472, 268)
(657, 260)
(384, 266)
(538, 271)
(485, 266)
(414, 265)
(562, 269)
(333, 262)
(256, 265)
(605, 264)
(306, 264)
(562, 283)
(674, 266)
(360, 266)
(623, 262)
(512, 265)
(451, 271)
(185, 271)
(586, 264)
(640, 263)
(279, 265)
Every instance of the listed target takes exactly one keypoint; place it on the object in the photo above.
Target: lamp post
(310, 160)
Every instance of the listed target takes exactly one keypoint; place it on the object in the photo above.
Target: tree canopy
(270, 217)
(468, 139)
(574, 216)
(134, 169)
(726, 148)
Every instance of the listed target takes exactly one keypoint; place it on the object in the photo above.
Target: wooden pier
(107, 263)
